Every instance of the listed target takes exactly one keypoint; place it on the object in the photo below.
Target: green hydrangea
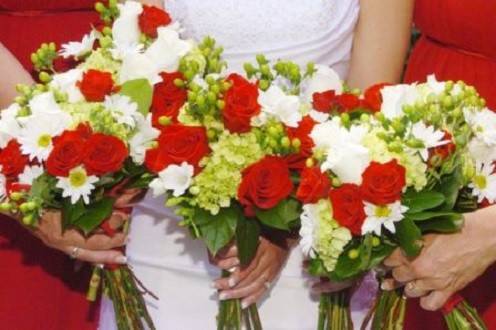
(331, 238)
(416, 169)
(218, 182)
(102, 60)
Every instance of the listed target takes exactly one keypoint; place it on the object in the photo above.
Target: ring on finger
(74, 252)
(411, 288)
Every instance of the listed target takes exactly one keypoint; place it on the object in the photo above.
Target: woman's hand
(250, 283)
(448, 263)
(326, 286)
(97, 249)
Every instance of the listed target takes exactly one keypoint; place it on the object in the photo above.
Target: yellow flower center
(44, 140)
(480, 181)
(382, 211)
(77, 178)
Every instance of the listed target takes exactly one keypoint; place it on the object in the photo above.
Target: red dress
(458, 43)
(39, 287)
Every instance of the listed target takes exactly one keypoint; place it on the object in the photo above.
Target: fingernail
(237, 261)
(214, 285)
(386, 286)
(231, 282)
(223, 296)
(232, 269)
(245, 304)
(121, 260)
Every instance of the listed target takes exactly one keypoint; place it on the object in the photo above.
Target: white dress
(164, 257)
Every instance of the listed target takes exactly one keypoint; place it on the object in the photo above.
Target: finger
(253, 299)
(97, 257)
(103, 242)
(258, 273)
(117, 219)
(245, 291)
(227, 264)
(403, 274)
(390, 284)
(226, 283)
(328, 287)
(129, 197)
(396, 259)
(435, 300)
(416, 289)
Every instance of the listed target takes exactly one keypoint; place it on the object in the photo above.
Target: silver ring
(267, 285)
(74, 252)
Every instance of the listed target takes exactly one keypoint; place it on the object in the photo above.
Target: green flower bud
(200, 100)
(20, 100)
(211, 134)
(447, 101)
(100, 7)
(221, 104)
(261, 59)
(249, 69)
(336, 182)
(28, 219)
(309, 162)
(296, 143)
(179, 82)
(345, 119)
(265, 69)
(24, 208)
(16, 196)
(44, 77)
(353, 254)
(164, 120)
(23, 112)
(449, 85)
(5, 207)
(376, 241)
(273, 131)
(211, 97)
(107, 31)
(285, 142)
(264, 84)
(364, 118)
(194, 190)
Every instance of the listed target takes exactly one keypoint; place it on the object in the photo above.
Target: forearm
(381, 42)
(11, 74)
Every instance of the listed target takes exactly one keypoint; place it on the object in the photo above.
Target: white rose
(139, 66)
(286, 108)
(44, 104)
(175, 178)
(323, 80)
(168, 49)
(67, 83)
(126, 31)
(395, 97)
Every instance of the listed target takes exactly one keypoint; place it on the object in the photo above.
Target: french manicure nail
(223, 296)
(121, 260)
(213, 285)
(385, 286)
(244, 304)
(232, 269)
(231, 282)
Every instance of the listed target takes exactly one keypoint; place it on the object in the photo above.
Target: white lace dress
(163, 256)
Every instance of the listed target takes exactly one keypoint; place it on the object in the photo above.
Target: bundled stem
(389, 310)
(461, 316)
(232, 317)
(334, 311)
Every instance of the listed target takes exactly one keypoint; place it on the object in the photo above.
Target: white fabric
(163, 255)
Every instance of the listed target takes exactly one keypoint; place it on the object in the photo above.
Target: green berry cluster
(26, 93)
(43, 58)
(28, 210)
(273, 138)
(107, 13)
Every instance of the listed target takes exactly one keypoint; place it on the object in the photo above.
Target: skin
(447, 263)
(375, 43)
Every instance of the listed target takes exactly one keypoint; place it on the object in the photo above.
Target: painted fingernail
(245, 304)
(121, 260)
(232, 282)
(232, 269)
(223, 296)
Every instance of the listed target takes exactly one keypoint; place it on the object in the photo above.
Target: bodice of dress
(310, 30)
(468, 25)
(46, 5)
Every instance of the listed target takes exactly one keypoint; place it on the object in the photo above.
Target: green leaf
(444, 225)
(247, 239)
(43, 190)
(380, 253)
(95, 214)
(217, 230)
(71, 212)
(139, 91)
(316, 268)
(281, 216)
(421, 201)
(450, 186)
(409, 237)
(423, 216)
(142, 182)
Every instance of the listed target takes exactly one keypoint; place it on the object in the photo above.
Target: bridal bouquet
(73, 140)
(387, 167)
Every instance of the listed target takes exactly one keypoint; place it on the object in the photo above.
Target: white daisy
(309, 228)
(77, 185)
(30, 173)
(379, 215)
(483, 123)
(484, 182)
(67, 83)
(175, 178)
(430, 137)
(122, 109)
(285, 108)
(38, 132)
(44, 104)
(79, 49)
(142, 140)
(9, 125)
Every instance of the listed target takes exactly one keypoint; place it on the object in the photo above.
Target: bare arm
(11, 74)
(156, 3)
(382, 39)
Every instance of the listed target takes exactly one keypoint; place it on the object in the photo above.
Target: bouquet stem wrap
(334, 311)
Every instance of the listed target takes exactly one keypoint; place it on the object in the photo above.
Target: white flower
(78, 49)
(323, 80)
(431, 138)
(484, 182)
(9, 126)
(67, 83)
(122, 109)
(345, 154)
(436, 87)
(44, 104)
(77, 185)
(126, 31)
(318, 116)
(3, 186)
(378, 215)
(166, 51)
(395, 97)
(141, 141)
(285, 108)
(38, 132)
(175, 178)
(483, 123)
(309, 227)
(139, 66)
(30, 173)
(481, 151)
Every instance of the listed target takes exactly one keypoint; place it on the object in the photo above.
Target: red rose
(241, 104)
(167, 98)
(96, 85)
(347, 102)
(104, 154)
(373, 97)
(177, 144)
(324, 101)
(264, 184)
(348, 207)
(12, 161)
(68, 152)
(314, 185)
(302, 132)
(444, 150)
(151, 19)
(383, 183)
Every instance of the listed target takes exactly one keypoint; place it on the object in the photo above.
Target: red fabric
(39, 287)
(458, 43)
